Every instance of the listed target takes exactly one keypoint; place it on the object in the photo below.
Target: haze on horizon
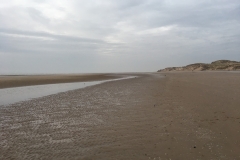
(89, 36)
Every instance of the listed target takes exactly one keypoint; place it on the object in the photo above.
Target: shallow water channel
(18, 94)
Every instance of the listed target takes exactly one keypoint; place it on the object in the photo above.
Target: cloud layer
(78, 36)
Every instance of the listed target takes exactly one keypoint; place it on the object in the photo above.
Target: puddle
(18, 94)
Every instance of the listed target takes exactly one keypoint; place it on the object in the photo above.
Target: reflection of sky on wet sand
(13, 95)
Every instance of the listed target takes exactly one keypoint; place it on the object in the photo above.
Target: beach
(161, 116)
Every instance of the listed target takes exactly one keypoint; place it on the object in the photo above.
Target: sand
(193, 115)
(29, 80)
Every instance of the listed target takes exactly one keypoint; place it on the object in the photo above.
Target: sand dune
(220, 65)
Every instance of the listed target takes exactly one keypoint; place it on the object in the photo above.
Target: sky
(93, 36)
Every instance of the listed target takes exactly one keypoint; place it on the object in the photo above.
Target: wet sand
(192, 115)
(29, 80)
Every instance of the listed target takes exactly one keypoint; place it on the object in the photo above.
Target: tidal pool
(18, 94)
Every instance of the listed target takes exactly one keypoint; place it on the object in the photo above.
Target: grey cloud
(48, 35)
(206, 14)
(128, 35)
(37, 16)
(18, 45)
(126, 4)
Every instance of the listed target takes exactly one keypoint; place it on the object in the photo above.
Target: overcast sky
(79, 36)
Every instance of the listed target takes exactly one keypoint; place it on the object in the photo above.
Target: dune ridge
(225, 65)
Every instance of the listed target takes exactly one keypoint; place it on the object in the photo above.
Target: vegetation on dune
(225, 65)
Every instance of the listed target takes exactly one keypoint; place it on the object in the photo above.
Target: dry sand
(192, 115)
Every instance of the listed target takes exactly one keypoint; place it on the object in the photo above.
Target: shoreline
(24, 93)
(30, 80)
